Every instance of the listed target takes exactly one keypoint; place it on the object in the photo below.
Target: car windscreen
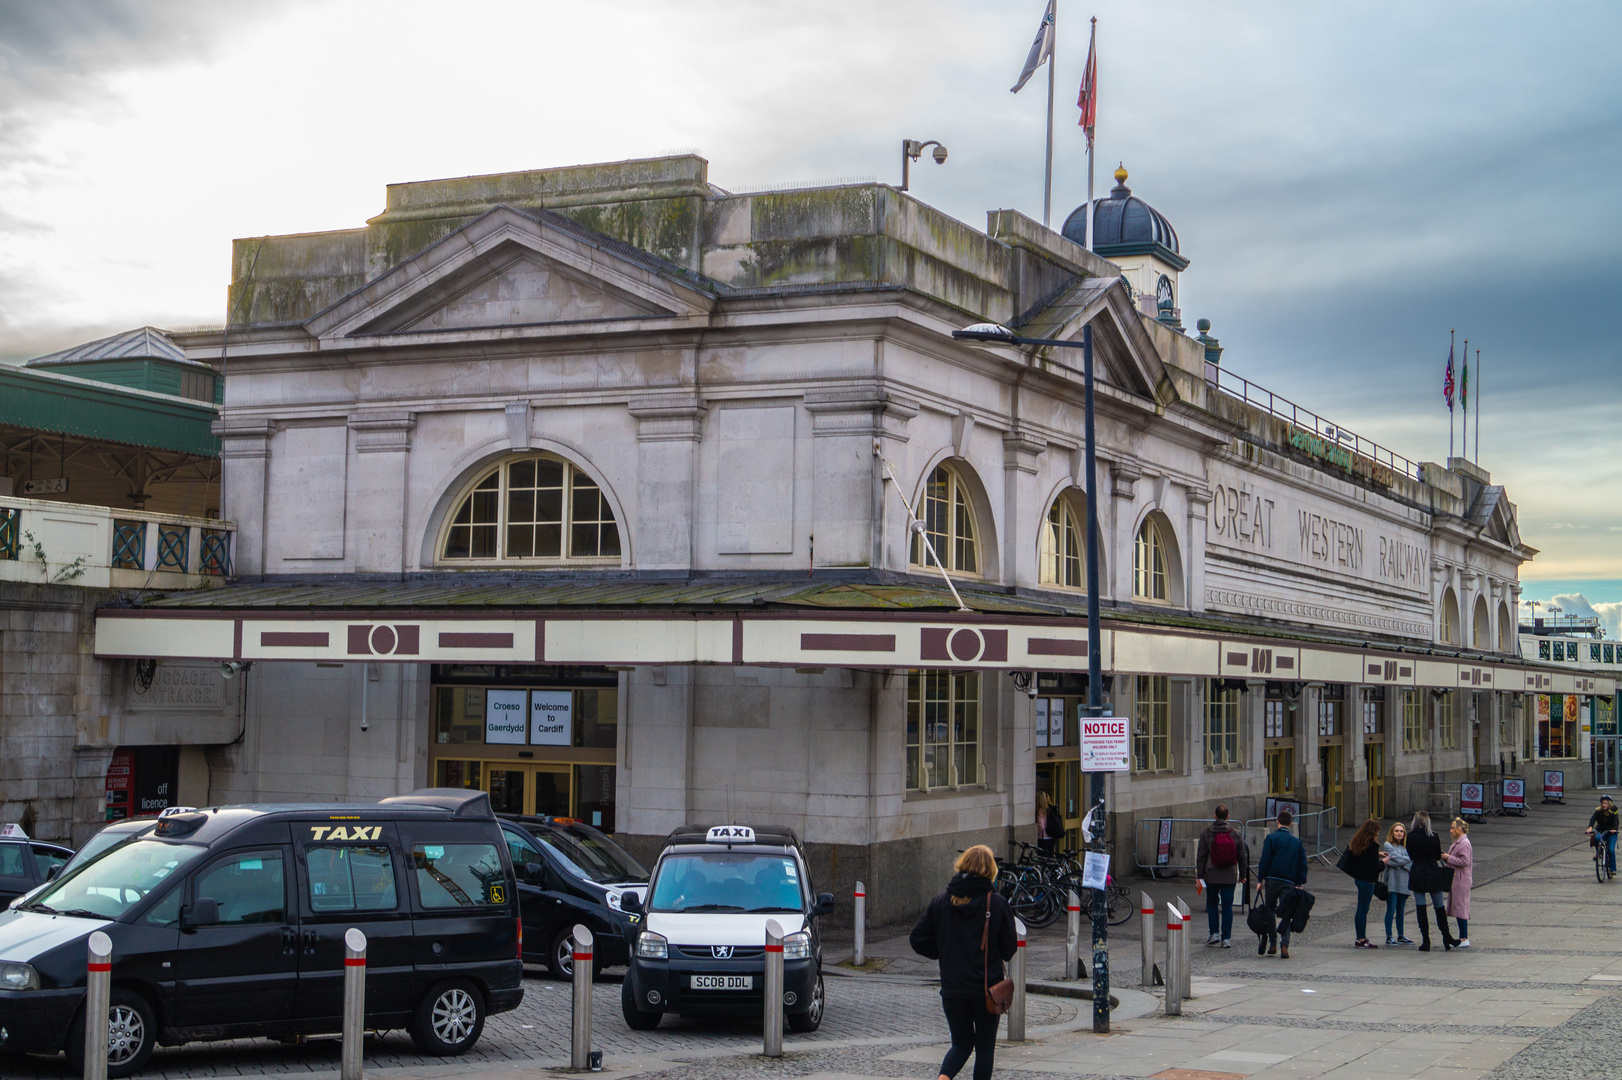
(593, 856)
(102, 842)
(116, 882)
(727, 881)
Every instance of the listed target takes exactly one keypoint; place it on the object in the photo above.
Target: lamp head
(992, 332)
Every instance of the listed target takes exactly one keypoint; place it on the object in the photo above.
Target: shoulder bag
(1001, 996)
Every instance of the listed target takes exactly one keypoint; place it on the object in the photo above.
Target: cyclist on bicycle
(1602, 823)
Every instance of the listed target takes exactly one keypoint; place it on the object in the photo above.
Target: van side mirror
(51, 874)
(632, 902)
(204, 911)
(535, 874)
(824, 904)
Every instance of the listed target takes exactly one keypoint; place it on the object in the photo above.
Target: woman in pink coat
(1461, 858)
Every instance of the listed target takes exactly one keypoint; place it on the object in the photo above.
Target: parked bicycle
(1037, 886)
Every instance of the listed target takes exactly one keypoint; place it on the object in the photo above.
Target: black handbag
(1260, 921)
(1382, 891)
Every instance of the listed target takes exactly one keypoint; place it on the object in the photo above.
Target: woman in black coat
(951, 931)
(1428, 880)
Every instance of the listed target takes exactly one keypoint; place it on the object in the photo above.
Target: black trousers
(974, 1031)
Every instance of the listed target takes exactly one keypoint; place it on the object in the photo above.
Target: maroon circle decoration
(965, 645)
(383, 640)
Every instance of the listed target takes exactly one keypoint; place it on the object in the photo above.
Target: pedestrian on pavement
(1222, 863)
(1397, 861)
(1049, 826)
(1428, 880)
(1283, 868)
(1603, 822)
(969, 928)
(1461, 857)
(1363, 864)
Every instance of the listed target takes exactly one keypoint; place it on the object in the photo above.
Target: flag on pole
(1088, 99)
(1041, 48)
(1464, 387)
(1447, 380)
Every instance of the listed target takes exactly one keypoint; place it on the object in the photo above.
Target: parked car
(701, 943)
(229, 923)
(26, 864)
(569, 873)
(110, 836)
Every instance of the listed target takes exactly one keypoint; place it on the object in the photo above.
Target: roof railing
(1313, 434)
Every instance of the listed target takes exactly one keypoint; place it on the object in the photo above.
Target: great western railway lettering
(1329, 541)
(1402, 562)
(1243, 516)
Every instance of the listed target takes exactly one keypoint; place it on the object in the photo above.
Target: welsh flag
(1447, 380)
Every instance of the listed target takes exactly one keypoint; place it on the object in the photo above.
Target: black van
(229, 923)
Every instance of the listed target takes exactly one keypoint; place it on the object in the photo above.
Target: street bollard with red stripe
(1072, 937)
(98, 990)
(772, 1043)
(861, 925)
(1016, 972)
(1185, 965)
(1146, 915)
(1174, 960)
(580, 1031)
(354, 1003)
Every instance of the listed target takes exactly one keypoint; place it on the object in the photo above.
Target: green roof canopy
(60, 404)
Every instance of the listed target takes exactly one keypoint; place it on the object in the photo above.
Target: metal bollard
(1185, 966)
(354, 1003)
(861, 925)
(1072, 937)
(98, 988)
(1174, 959)
(1016, 972)
(772, 1044)
(1146, 919)
(580, 1031)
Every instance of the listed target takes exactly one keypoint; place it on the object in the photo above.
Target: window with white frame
(1413, 721)
(1064, 560)
(1221, 725)
(1447, 724)
(943, 729)
(1151, 725)
(1149, 563)
(948, 521)
(533, 509)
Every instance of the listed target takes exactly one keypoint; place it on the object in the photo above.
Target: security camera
(940, 154)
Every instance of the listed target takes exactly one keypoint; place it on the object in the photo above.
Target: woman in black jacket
(1362, 861)
(951, 931)
(1428, 880)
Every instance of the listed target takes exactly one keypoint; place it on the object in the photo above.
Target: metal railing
(1334, 436)
(1435, 797)
(1317, 826)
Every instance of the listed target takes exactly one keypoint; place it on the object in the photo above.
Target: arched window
(1450, 617)
(1506, 630)
(1149, 555)
(537, 508)
(1481, 631)
(948, 522)
(1064, 548)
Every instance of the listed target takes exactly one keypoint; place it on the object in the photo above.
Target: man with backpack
(1223, 862)
(1283, 870)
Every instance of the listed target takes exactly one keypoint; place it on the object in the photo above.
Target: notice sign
(1515, 794)
(1472, 799)
(1095, 871)
(551, 717)
(1554, 785)
(504, 716)
(1163, 849)
(1106, 744)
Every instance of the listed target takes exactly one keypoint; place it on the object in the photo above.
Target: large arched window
(948, 522)
(1506, 630)
(1481, 631)
(1150, 554)
(1064, 547)
(1450, 617)
(537, 508)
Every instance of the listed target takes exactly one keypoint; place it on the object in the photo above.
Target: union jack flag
(1447, 380)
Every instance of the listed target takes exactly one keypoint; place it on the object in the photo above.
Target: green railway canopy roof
(63, 405)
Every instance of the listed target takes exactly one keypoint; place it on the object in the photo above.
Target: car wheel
(635, 1018)
(806, 1022)
(132, 1032)
(560, 956)
(449, 1019)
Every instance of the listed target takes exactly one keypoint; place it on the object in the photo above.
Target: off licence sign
(1106, 744)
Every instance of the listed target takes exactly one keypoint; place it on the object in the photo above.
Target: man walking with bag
(1283, 869)
(1223, 862)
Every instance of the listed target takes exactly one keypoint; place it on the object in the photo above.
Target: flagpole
(1047, 179)
(1478, 406)
(1092, 134)
(1464, 443)
(1450, 397)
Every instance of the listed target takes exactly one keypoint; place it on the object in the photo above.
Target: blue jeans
(1365, 897)
(1219, 900)
(1274, 890)
(1610, 852)
(1395, 907)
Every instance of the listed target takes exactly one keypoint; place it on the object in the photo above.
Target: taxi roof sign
(13, 831)
(730, 834)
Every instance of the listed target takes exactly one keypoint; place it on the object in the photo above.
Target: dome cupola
(1137, 238)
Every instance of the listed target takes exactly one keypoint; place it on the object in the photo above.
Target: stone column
(1253, 737)
(382, 447)
(669, 427)
(1357, 770)
(858, 522)
(1022, 509)
(1123, 480)
(1309, 785)
(1187, 715)
(1199, 503)
(244, 463)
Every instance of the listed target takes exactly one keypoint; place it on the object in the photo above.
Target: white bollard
(1016, 972)
(580, 1030)
(772, 1044)
(861, 925)
(1146, 919)
(354, 1003)
(1185, 969)
(1174, 959)
(1072, 936)
(98, 989)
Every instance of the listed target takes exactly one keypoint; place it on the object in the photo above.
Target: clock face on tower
(1163, 292)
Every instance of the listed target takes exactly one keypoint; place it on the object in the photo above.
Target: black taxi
(229, 922)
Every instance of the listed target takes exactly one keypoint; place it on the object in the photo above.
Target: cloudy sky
(1349, 181)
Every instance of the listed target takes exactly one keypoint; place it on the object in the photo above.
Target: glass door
(529, 789)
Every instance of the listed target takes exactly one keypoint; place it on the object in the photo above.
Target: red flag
(1447, 380)
(1088, 99)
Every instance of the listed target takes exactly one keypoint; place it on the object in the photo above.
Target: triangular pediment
(510, 269)
(1124, 356)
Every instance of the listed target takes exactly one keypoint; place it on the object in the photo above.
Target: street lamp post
(996, 334)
